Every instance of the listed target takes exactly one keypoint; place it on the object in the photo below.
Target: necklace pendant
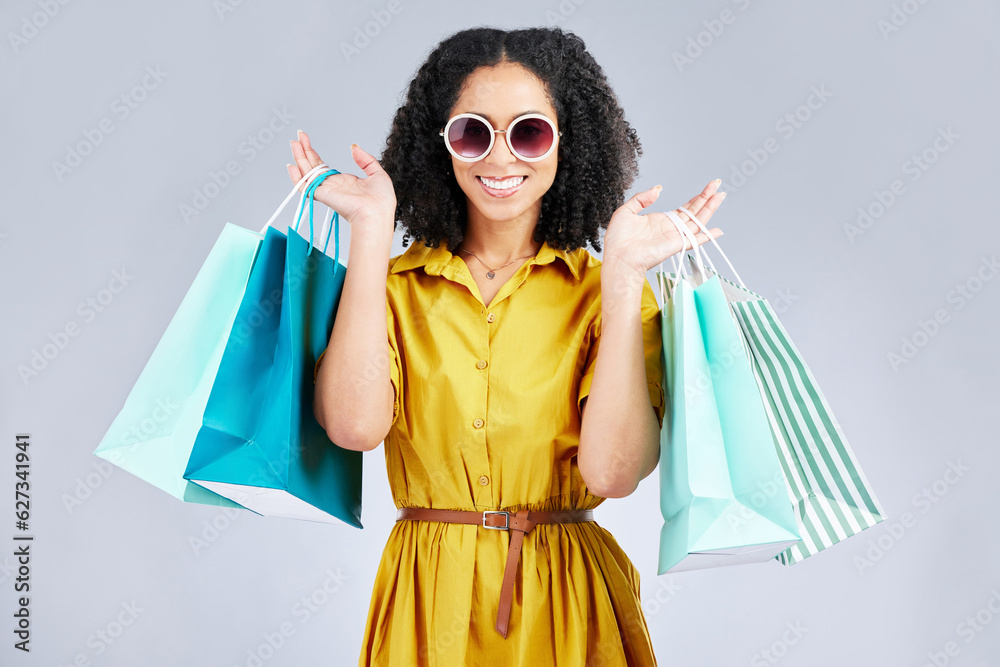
(490, 275)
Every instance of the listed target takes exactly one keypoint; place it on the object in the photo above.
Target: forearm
(619, 433)
(354, 396)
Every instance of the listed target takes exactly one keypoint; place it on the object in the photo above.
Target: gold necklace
(491, 273)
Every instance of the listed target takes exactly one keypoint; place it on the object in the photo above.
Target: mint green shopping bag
(832, 498)
(154, 432)
(722, 488)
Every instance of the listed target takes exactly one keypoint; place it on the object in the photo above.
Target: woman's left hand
(643, 241)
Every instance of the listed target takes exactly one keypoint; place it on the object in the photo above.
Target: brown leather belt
(521, 522)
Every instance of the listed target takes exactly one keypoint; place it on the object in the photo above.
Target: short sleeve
(394, 365)
(316, 368)
(652, 338)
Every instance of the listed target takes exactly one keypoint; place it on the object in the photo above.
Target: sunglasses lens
(469, 137)
(531, 137)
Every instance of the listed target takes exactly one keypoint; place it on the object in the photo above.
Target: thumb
(641, 200)
(367, 162)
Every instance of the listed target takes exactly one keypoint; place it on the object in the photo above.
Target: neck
(498, 242)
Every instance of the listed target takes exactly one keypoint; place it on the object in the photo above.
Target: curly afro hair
(598, 150)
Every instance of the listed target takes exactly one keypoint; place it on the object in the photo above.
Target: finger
(312, 155)
(698, 202)
(301, 161)
(700, 235)
(293, 173)
(641, 200)
(693, 231)
(366, 161)
(706, 211)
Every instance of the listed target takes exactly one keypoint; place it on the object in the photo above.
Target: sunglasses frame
(493, 135)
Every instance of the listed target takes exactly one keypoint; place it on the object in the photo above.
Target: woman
(482, 375)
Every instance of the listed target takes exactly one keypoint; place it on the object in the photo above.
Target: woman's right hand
(364, 202)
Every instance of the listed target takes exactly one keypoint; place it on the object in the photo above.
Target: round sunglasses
(470, 137)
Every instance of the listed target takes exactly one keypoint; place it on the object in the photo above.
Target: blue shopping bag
(260, 443)
(723, 495)
(153, 433)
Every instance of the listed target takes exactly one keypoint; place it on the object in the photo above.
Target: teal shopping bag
(722, 487)
(260, 442)
(830, 493)
(154, 432)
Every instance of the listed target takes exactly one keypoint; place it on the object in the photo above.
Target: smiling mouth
(502, 187)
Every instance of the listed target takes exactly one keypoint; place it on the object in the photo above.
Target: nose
(500, 153)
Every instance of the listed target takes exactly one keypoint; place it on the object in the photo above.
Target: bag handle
(310, 194)
(313, 180)
(679, 263)
(717, 247)
(291, 194)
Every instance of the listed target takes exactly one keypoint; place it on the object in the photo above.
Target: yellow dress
(486, 416)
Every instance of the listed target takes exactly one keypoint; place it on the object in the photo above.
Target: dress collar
(434, 260)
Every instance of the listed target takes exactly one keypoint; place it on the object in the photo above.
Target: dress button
(481, 364)
(484, 480)
(491, 317)
(478, 423)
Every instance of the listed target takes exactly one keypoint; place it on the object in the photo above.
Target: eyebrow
(522, 113)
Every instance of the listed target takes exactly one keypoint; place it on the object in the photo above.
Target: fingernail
(657, 187)
(353, 146)
(722, 195)
(718, 180)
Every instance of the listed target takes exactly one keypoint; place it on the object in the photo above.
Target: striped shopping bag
(832, 498)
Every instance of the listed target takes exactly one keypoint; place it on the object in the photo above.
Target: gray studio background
(810, 112)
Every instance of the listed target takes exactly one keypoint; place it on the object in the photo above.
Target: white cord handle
(679, 273)
(716, 244)
(307, 178)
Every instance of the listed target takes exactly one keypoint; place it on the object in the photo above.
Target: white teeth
(505, 184)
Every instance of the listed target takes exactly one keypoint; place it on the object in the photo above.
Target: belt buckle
(506, 515)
